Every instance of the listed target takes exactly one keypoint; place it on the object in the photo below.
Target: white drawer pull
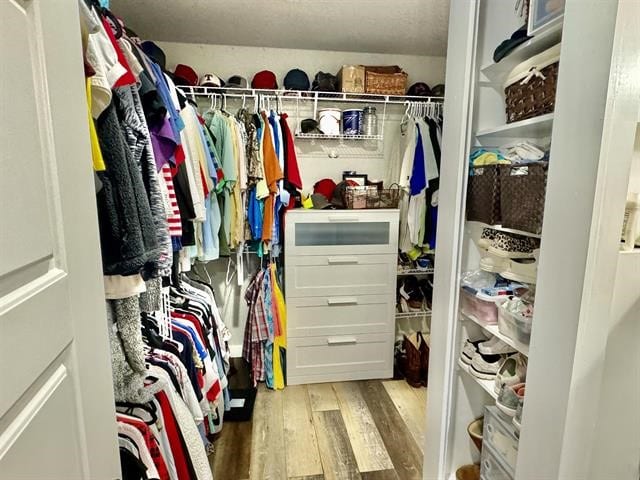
(341, 340)
(342, 301)
(342, 260)
(343, 219)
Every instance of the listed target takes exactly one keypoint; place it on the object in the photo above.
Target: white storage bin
(514, 326)
(482, 308)
(500, 437)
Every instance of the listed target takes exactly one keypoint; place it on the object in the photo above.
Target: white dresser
(340, 281)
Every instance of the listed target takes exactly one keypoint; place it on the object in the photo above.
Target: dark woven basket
(483, 195)
(522, 192)
(534, 98)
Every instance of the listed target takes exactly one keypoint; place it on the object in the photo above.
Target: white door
(56, 400)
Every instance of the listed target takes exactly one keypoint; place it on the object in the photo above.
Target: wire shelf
(419, 314)
(415, 271)
(322, 136)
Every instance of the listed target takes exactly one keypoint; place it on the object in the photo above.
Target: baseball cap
(419, 89)
(340, 192)
(296, 79)
(325, 187)
(237, 82)
(265, 79)
(185, 75)
(154, 52)
(309, 125)
(211, 80)
(320, 202)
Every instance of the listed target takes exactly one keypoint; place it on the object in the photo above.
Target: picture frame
(544, 15)
(359, 178)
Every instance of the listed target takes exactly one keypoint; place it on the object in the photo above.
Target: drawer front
(501, 437)
(339, 357)
(490, 466)
(340, 315)
(341, 232)
(330, 275)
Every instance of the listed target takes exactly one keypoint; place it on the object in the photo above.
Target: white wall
(227, 60)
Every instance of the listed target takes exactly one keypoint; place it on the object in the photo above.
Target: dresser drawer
(501, 437)
(340, 315)
(339, 357)
(324, 275)
(313, 232)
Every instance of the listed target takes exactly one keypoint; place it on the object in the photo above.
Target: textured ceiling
(417, 27)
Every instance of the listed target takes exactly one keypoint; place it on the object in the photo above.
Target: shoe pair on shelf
(483, 358)
(510, 387)
(513, 256)
(412, 294)
(415, 364)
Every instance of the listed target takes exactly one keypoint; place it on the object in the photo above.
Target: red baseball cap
(185, 75)
(265, 79)
(325, 187)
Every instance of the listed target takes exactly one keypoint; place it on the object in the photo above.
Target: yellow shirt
(96, 153)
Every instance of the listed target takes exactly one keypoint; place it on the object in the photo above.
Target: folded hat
(325, 187)
(237, 82)
(185, 75)
(438, 90)
(309, 125)
(419, 89)
(296, 79)
(265, 80)
(506, 47)
(211, 80)
(154, 52)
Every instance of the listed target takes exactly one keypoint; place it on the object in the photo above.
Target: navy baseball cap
(296, 79)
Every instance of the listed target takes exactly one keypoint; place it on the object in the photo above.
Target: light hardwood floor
(366, 430)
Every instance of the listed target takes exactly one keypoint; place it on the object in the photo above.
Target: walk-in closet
(329, 240)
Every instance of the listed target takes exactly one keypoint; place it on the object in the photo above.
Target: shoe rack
(594, 122)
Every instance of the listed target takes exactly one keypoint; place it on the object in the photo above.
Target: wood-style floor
(365, 430)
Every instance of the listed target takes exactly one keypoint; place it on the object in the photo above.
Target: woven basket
(531, 88)
(385, 80)
(522, 192)
(371, 197)
(483, 195)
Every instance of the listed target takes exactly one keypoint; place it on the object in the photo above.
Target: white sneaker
(512, 372)
(522, 270)
(486, 366)
(495, 346)
(494, 264)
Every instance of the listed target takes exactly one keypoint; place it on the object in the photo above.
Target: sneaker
(423, 264)
(517, 418)
(495, 346)
(469, 350)
(512, 372)
(411, 293)
(487, 237)
(523, 270)
(486, 366)
(509, 397)
(426, 287)
(510, 245)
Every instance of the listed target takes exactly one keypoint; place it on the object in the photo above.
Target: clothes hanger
(405, 118)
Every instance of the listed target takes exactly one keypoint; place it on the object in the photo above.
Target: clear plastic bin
(484, 310)
(514, 326)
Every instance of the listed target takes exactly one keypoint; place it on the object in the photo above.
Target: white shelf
(497, 73)
(486, 385)
(537, 127)
(414, 271)
(493, 330)
(321, 136)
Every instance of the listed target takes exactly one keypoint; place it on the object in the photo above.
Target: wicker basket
(483, 195)
(530, 90)
(522, 193)
(385, 80)
(371, 197)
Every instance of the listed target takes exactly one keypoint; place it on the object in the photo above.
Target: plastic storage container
(482, 308)
(491, 468)
(501, 438)
(514, 326)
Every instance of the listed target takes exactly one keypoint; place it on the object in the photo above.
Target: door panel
(56, 399)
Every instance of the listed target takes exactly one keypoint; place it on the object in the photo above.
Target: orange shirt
(273, 173)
